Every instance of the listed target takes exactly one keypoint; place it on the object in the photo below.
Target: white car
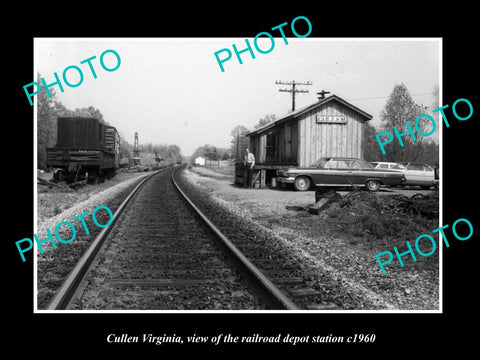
(387, 165)
(419, 175)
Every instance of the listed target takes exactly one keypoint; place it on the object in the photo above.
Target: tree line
(211, 152)
(399, 109)
(238, 143)
(50, 108)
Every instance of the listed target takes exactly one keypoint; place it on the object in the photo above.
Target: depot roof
(299, 112)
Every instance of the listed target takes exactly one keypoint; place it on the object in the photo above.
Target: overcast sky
(171, 91)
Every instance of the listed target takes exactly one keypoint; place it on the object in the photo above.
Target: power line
(293, 90)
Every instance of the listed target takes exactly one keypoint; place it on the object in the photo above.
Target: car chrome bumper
(285, 180)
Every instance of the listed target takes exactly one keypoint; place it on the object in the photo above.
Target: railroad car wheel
(60, 175)
(92, 177)
(302, 183)
(372, 185)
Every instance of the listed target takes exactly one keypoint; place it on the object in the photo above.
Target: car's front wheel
(372, 185)
(302, 183)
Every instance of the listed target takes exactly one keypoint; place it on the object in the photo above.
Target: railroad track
(162, 253)
(302, 284)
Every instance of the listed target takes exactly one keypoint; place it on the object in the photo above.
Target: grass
(225, 167)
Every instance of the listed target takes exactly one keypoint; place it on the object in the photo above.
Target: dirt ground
(344, 239)
(269, 202)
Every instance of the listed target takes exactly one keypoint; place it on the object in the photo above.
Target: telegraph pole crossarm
(293, 90)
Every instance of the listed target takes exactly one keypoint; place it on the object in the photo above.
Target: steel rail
(272, 293)
(65, 293)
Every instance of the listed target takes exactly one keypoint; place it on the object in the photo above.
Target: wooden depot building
(329, 127)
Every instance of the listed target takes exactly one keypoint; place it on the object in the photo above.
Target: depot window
(271, 147)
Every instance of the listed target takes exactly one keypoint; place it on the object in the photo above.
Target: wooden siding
(301, 140)
(287, 144)
(329, 139)
(255, 148)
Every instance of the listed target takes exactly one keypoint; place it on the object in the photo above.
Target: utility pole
(136, 151)
(293, 90)
(238, 140)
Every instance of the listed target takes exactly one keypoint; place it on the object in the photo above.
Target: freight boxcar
(85, 149)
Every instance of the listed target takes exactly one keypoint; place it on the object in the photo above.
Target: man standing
(249, 162)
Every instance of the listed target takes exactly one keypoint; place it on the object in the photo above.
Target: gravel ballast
(343, 265)
(55, 263)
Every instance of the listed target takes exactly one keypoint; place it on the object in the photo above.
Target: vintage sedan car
(340, 172)
(419, 175)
